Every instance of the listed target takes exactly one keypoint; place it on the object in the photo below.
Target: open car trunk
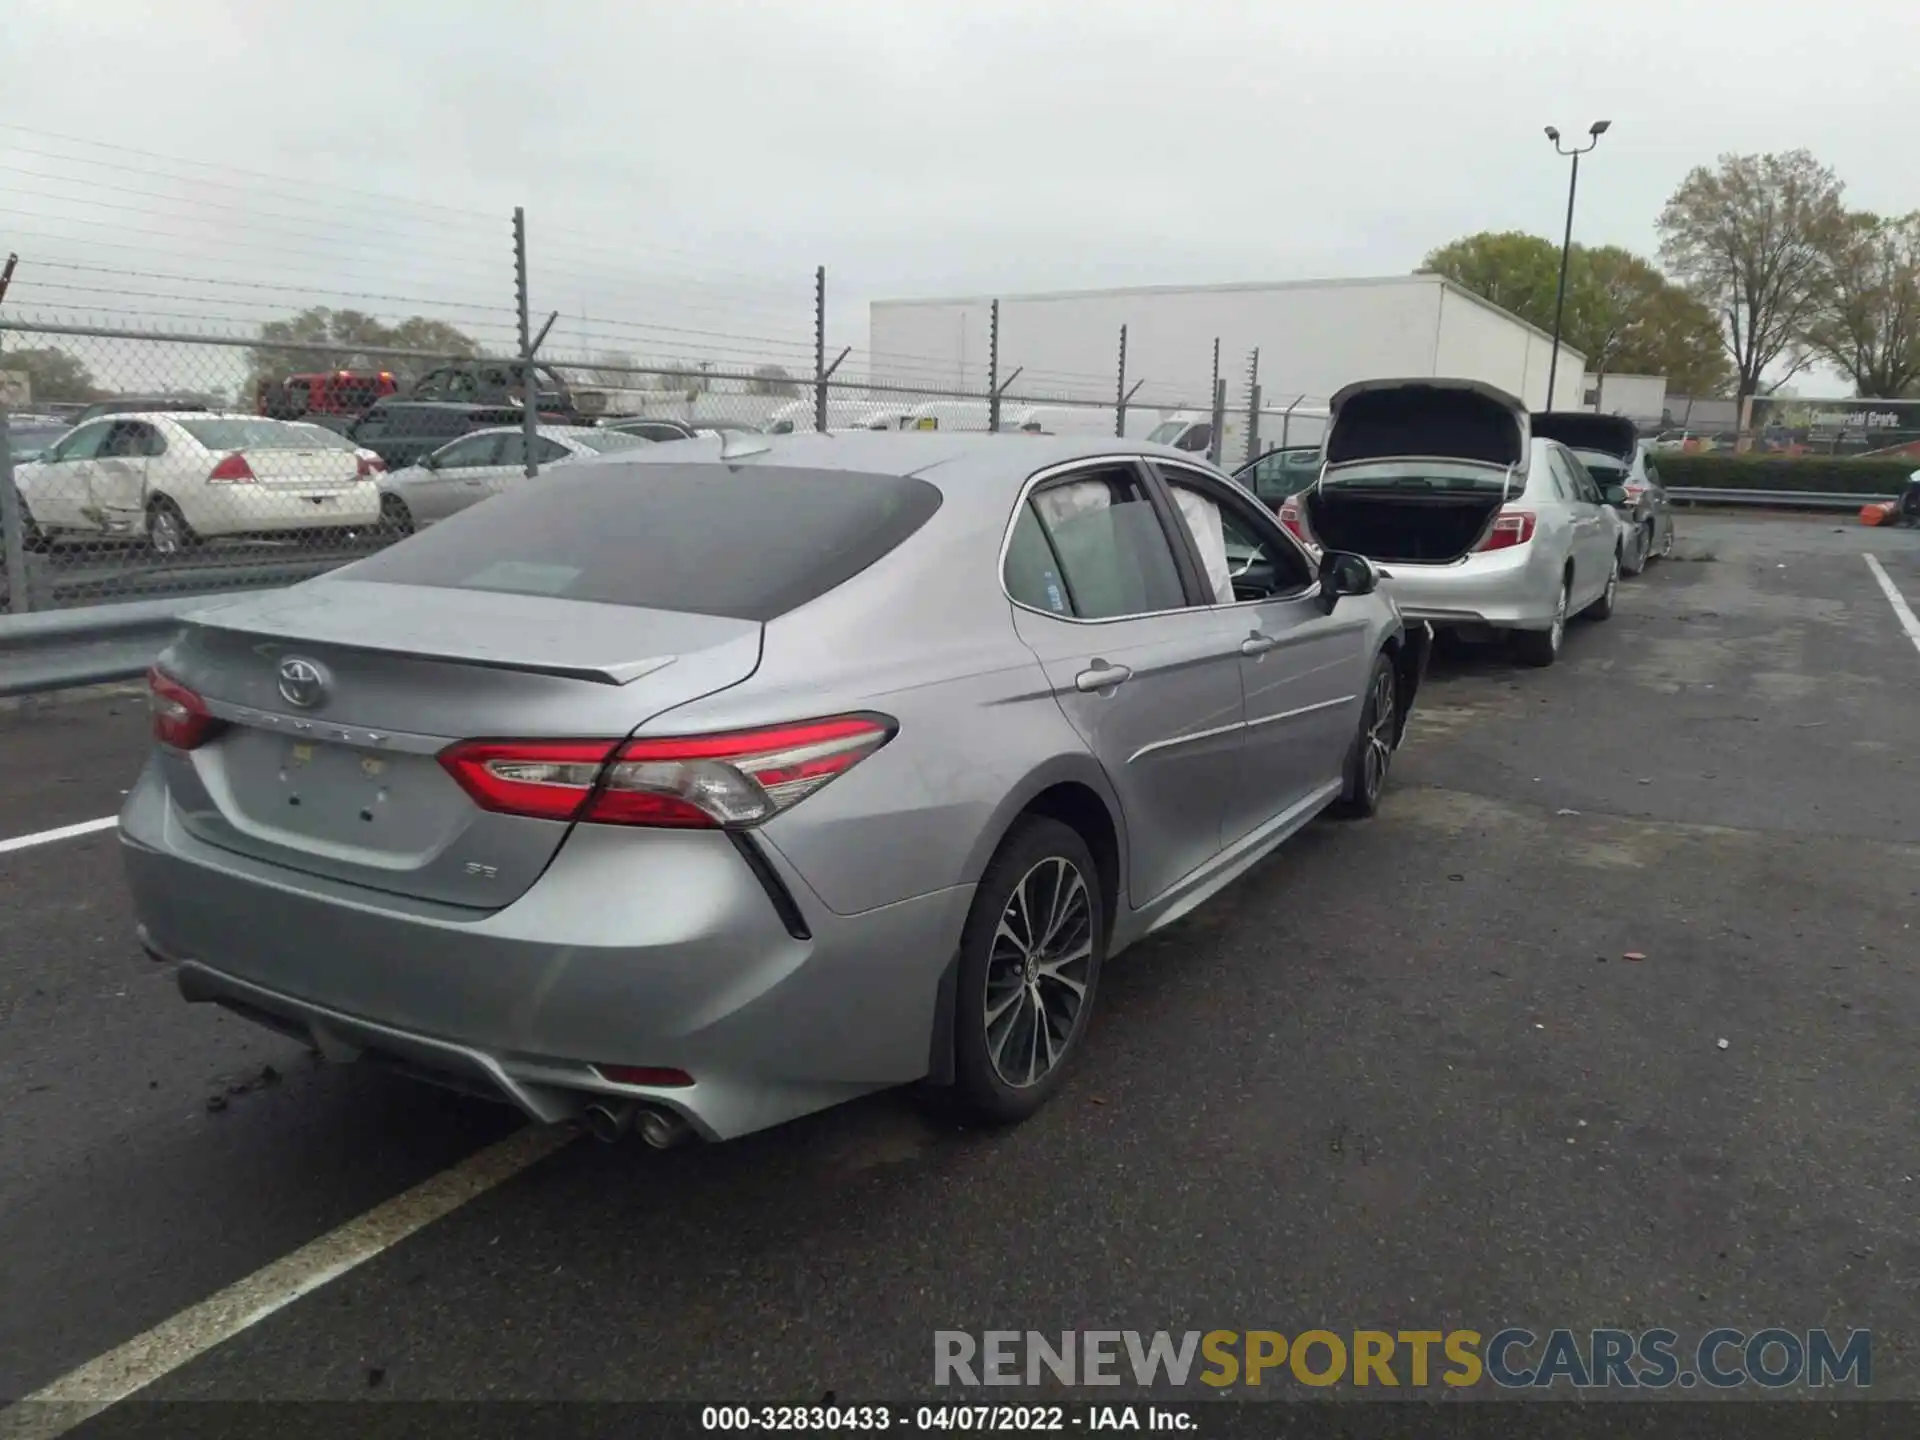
(1382, 524)
(1417, 469)
(1612, 435)
(349, 785)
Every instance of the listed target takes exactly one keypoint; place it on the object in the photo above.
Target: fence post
(993, 368)
(820, 349)
(1286, 420)
(1253, 406)
(13, 524)
(529, 386)
(1218, 393)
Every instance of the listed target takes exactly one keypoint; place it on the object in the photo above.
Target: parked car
(140, 405)
(662, 430)
(337, 393)
(401, 431)
(1618, 459)
(565, 801)
(327, 437)
(178, 478)
(484, 464)
(497, 383)
(1483, 526)
(29, 436)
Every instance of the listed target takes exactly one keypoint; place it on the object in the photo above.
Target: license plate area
(337, 797)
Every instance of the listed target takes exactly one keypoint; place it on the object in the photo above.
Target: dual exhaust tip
(611, 1120)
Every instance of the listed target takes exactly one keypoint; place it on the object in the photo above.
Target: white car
(482, 463)
(175, 479)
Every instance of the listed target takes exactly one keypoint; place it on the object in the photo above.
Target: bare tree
(615, 371)
(1867, 322)
(1751, 238)
(772, 380)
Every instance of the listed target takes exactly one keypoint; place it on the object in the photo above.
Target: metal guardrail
(1770, 499)
(89, 645)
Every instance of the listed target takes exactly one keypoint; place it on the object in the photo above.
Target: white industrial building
(1313, 337)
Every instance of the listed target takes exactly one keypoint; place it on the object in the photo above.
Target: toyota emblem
(302, 682)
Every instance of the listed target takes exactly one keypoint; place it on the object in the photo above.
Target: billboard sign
(1836, 427)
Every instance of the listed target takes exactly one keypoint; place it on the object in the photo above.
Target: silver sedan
(1482, 525)
(700, 787)
(483, 463)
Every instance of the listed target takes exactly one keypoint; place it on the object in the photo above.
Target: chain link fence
(232, 462)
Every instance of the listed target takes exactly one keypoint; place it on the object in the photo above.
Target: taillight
(736, 778)
(1510, 528)
(180, 717)
(1635, 489)
(656, 1075)
(1294, 520)
(370, 466)
(234, 469)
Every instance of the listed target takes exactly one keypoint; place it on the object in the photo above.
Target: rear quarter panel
(925, 636)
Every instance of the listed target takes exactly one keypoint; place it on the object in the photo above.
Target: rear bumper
(257, 509)
(700, 973)
(1513, 589)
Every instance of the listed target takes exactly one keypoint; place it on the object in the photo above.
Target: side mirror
(1615, 494)
(1344, 573)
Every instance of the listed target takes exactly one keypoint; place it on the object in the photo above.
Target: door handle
(1257, 644)
(1101, 677)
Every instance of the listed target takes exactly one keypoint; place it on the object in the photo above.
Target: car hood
(1613, 435)
(1466, 421)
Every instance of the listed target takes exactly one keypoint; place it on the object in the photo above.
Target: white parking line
(1902, 611)
(83, 1393)
(65, 832)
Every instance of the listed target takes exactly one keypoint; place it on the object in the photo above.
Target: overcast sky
(686, 165)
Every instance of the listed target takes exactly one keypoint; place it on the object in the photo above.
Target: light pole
(1598, 129)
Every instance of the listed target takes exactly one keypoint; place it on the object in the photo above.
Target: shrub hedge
(1820, 474)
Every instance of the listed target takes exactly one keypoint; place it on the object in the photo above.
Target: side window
(124, 441)
(1197, 439)
(370, 426)
(473, 451)
(546, 452)
(1112, 554)
(1244, 555)
(1032, 570)
(1582, 481)
(431, 386)
(81, 444)
(1561, 478)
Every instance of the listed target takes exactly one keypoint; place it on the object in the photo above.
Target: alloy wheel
(163, 531)
(1559, 631)
(1037, 972)
(1379, 741)
(1613, 582)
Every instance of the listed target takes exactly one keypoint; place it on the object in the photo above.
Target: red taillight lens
(180, 717)
(369, 467)
(1510, 528)
(644, 1075)
(697, 781)
(1635, 489)
(1294, 520)
(232, 470)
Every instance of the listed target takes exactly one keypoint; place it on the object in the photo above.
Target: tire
(999, 978)
(1602, 609)
(167, 530)
(395, 518)
(1666, 544)
(1540, 648)
(1370, 756)
(1642, 550)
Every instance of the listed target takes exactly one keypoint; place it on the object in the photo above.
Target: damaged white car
(1481, 526)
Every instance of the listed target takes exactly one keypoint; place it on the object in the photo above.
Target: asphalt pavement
(1403, 1076)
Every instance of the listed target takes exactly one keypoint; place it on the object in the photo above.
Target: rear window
(247, 434)
(702, 539)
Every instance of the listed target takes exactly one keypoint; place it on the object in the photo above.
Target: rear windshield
(607, 441)
(1607, 469)
(247, 434)
(749, 544)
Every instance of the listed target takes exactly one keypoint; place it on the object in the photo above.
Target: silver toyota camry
(1483, 526)
(704, 786)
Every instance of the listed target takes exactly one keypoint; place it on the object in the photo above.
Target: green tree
(772, 380)
(1866, 316)
(1751, 238)
(327, 339)
(1621, 312)
(54, 375)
